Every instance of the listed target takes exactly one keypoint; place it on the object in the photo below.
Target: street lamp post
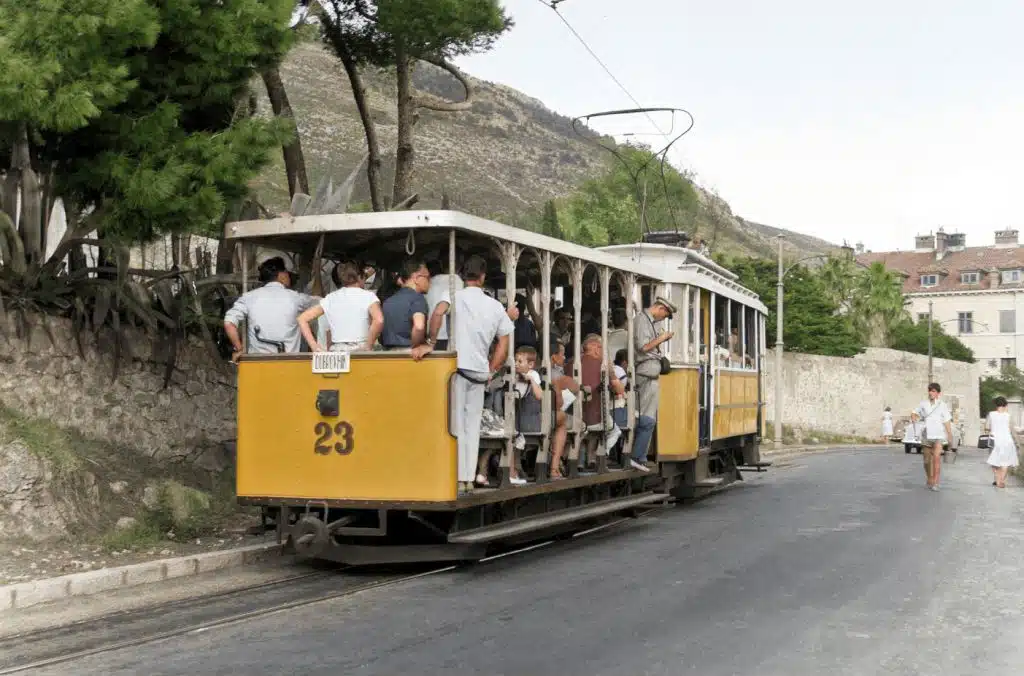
(779, 292)
(778, 351)
(931, 326)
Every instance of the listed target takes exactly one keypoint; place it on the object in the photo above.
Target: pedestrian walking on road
(937, 430)
(887, 425)
(1004, 449)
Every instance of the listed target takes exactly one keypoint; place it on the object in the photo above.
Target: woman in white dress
(887, 425)
(1004, 449)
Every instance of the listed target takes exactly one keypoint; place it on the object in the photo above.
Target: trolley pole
(931, 326)
(778, 351)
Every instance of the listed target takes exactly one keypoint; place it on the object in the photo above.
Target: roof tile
(980, 259)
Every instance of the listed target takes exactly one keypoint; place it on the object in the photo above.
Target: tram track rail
(48, 647)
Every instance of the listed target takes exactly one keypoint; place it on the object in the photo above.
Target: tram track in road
(20, 653)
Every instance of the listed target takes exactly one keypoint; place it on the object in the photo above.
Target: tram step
(710, 482)
(755, 466)
(520, 526)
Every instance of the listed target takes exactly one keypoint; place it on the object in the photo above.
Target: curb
(26, 594)
(797, 450)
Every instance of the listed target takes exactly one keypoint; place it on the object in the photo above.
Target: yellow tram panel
(389, 441)
(735, 404)
(678, 412)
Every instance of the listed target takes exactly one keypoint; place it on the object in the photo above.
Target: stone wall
(191, 420)
(847, 395)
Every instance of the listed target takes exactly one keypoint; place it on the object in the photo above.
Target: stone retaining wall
(191, 420)
(847, 395)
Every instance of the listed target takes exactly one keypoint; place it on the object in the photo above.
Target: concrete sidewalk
(26, 594)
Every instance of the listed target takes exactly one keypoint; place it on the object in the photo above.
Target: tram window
(693, 324)
(751, 337)
(721, 331)
(646, 296)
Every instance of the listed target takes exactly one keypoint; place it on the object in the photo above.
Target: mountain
(503, 159)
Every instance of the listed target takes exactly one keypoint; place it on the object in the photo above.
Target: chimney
(924, 243)
(941, 242)
(993, 278)
(957, 241)
(1007, 239)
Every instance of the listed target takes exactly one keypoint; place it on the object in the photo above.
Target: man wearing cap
(648, 338)
(270, 313)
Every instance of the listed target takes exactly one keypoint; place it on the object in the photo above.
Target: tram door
(706, 371)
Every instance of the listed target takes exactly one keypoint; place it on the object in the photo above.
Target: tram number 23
(339, 438)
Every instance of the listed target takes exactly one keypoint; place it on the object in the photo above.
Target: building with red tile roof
(976, 292)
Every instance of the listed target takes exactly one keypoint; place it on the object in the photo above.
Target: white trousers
(469, 409)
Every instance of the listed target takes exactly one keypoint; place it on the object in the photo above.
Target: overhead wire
(553, 5)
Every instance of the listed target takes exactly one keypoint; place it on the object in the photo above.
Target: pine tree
(136, 105)
(549, 221)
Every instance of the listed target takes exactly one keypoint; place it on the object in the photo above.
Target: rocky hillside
(502, 160)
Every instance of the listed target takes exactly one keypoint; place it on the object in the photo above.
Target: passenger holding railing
(269, 313)
(648, 341)
(590, 375)
(564, 390)
(353, 314)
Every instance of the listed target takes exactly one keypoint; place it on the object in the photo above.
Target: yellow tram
(352, 457)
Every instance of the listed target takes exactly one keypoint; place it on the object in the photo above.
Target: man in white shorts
(938, 429)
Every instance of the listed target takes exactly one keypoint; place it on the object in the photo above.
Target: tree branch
(435, 103)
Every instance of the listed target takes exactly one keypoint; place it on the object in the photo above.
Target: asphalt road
(839, 563)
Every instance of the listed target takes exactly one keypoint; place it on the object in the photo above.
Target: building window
(930, 280)
(969, 278)
(922, 317)
(1011, 276)
(1007, 321)
(965, 322)
(1008, 363)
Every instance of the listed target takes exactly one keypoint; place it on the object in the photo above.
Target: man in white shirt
(270, 313)
(439, 298)
(479, 320)
(937, 430)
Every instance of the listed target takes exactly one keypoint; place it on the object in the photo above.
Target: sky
(868, 122)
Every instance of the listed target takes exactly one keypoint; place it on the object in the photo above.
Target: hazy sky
(868, 121)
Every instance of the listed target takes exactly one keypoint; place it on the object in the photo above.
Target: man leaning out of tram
(649, 337)
(269, 312)
(405, 312)
(353, 314)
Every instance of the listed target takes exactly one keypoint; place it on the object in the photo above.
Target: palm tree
(877, 303)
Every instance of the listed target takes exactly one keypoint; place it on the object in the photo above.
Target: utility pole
(778, 351)
(931, 326)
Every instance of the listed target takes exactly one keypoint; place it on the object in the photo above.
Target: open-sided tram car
(353, 459)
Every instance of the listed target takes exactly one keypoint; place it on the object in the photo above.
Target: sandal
(481, 481)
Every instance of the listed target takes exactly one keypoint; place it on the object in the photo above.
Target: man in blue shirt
(405, 312)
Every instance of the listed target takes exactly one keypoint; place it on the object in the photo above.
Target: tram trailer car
(352, 458)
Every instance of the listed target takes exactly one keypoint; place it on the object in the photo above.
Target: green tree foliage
(607, 210)
(1009, 383)
(910, 336)
(813, 323)
(396, 34)
(136, 105)
(549, 224)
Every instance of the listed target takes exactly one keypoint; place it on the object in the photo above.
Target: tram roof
(358, 232)
(298, 231)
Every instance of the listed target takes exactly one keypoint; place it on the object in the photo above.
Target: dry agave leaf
(102, 307)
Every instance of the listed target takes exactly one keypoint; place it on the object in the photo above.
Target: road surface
(839, 563)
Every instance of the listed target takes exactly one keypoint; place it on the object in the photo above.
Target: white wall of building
(989, 344)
